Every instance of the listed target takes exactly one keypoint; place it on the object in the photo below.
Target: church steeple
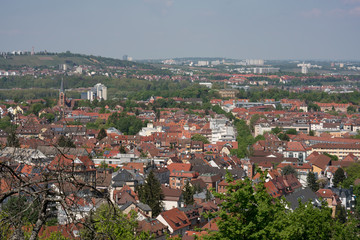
(61, 102)
(62, 85)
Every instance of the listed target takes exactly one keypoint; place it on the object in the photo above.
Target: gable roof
(325, 193)
(304, 195)
(153, 226)
(295, 146)
(67, 162)
(175, 218)
(179, 167)
(321, 161)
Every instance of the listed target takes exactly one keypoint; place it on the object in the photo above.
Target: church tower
(61, 102)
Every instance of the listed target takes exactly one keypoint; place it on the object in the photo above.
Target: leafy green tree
(340, 213)
(208, 195)
(253, 120)
(12, 139)
(145, 154)
(276, 130)
(15, 213)
(102, 110)
(36, 108)
(108, 222)
(65, 142)
(283, 137)
(339, 177)
(218, 110)
(122, 149)
(307, 222)
(6, 229)
(351, 109)
(352, 173)
(151, 194)
(312, 133)
(291, 131)
(20, 206)
(48, 116)
(102, 134)
(357, 202)
(313, 107)
(287, 170)
(333, 157)
(55, 236)
(103, 165)
(199, 137)
(279, 107)
(188, 194)
(91, 125)
(244, 139)
(5, 123)
(258, 138)
(157, 114)
(246, 213)
(129, 125)
(249, 212)
(311, 181)
(357, 136)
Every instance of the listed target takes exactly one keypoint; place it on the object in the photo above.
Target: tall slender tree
(339, 177)
(12, 139)
(287, 170)
(151, 194)
(311, 181)
(102, 134)
(188, 194)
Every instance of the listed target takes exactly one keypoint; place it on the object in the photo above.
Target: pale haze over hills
(276, 29)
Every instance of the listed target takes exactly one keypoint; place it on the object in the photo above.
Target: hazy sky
(144, 29)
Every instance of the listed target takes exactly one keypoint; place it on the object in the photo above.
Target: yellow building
(228, 93)
(339, 150)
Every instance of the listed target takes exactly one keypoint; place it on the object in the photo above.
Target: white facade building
(150, 129)
(255, 62)
(99, 91)
(221, 130)
(304, 69)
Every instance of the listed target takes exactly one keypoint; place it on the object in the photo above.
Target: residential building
(228, 93)
(99, 91)
(337, 149)
(175, 220)
(295, 150)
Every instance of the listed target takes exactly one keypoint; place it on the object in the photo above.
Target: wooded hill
(55, 59)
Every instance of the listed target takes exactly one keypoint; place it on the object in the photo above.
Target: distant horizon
(164, 29)
(200, 57)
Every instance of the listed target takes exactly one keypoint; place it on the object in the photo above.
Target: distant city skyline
(160, 29)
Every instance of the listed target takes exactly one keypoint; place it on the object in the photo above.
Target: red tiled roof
(295, 146)
(179, 167)
(175, 218)
(320, 161)
(325, 193)
(336, 146)
(272, 189)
